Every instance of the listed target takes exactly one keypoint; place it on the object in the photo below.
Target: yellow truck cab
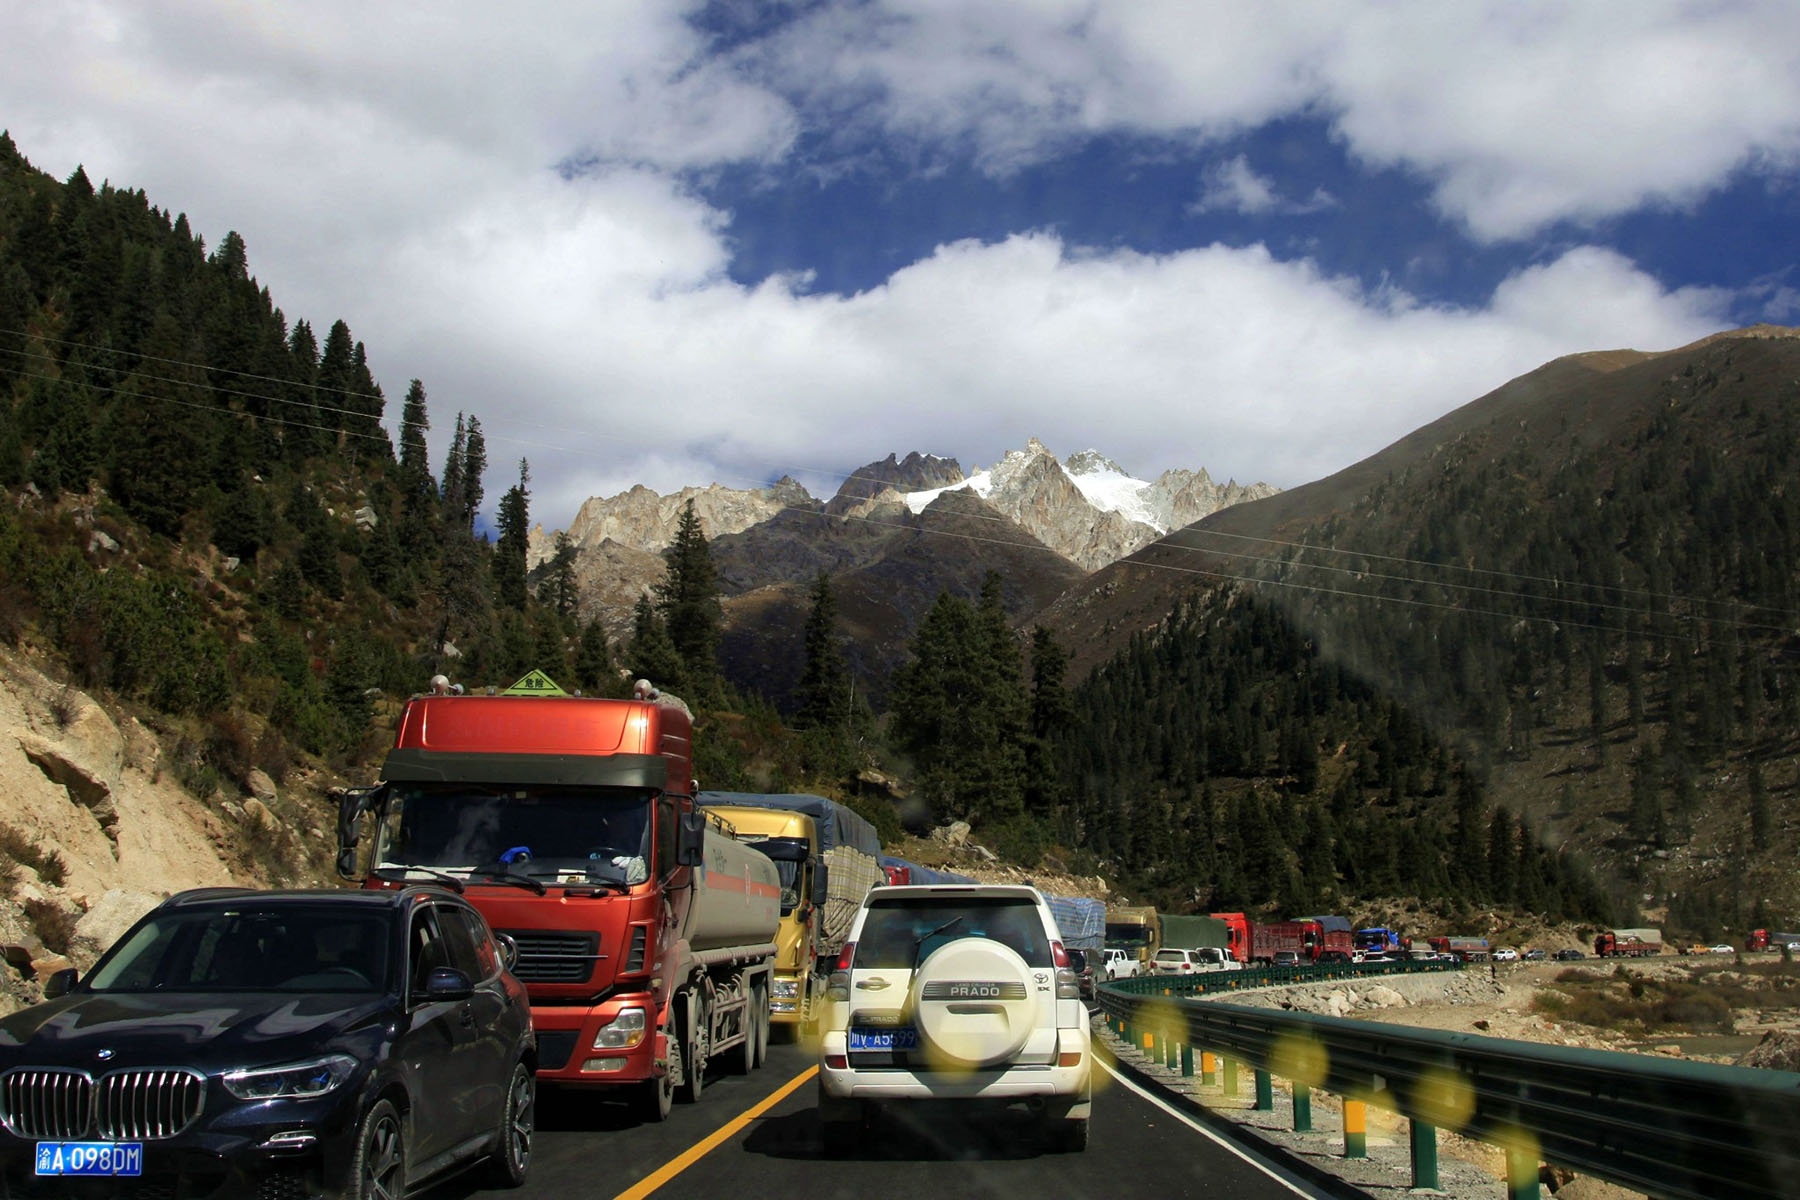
(826, 856)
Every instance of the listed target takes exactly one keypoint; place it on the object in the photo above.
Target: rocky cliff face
(642, 520)
(1087, 508)
(914, 473)
(98, 830)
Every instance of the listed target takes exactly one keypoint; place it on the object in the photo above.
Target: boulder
(111, 915)
(43, 968)
(257, 813)
(259, 785)
(1779, 1050)
(98, 540)
(956, 833)
(1383, 996)
(1338, 1004)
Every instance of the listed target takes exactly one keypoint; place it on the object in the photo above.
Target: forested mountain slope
(1585, 582)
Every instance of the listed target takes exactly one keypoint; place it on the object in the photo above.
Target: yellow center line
(705, 1146)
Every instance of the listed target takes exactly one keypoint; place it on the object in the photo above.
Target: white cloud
(1235, 186)
(399, 171)
(1520, 114)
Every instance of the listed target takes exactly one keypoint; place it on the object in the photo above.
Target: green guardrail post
(1303, 1109)
(1154, 1044)
(1424, 1155)
(1231, 1088)
(1356, 1129)
(1187, 1061)
(1265, 1091)
(1521, 1174)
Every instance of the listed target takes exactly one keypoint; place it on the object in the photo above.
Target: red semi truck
(1255, 942)
(1762, 939)
(1628, 943)
(645, 933)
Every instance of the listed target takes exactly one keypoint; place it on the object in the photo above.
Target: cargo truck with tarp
(1135, 930)
(828, 856)
(1080, 921)
(1628, 943)
(645, 931)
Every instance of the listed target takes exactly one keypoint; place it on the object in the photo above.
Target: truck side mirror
(821, 884)
(352, 804)
(690, 845)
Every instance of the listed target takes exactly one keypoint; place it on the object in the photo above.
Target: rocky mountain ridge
(1085, 509)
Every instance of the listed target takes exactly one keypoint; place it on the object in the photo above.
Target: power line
(1617, 589)
(1522, 596)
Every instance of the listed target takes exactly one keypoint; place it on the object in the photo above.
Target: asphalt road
(732, 1143)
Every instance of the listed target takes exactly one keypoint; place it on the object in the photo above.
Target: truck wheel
(659, 1093)
(694, 1049)
(763, 1020)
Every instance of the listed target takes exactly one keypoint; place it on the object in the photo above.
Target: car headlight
(294, 1081)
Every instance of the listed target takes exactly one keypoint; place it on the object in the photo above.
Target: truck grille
(144, 1106)
(53, 1105)
(555, 957)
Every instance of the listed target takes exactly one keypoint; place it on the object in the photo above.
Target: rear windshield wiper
(513, 877)
(919, 942)
(402, 874)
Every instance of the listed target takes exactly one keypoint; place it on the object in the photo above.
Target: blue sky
(681, 244)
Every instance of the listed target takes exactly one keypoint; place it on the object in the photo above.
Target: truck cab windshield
(557, 835)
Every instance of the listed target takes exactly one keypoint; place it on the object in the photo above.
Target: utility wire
(1032, 545)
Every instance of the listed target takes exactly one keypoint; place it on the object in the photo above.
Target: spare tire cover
(972, 1003)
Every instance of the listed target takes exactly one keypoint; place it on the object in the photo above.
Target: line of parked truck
(659, 927)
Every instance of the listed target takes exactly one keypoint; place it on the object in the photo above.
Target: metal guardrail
(1663, 1127)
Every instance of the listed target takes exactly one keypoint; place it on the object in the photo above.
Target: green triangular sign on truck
(535, 683)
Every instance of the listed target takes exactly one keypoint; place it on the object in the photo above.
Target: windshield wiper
(919, 942)
(513, 877)
(400, 874)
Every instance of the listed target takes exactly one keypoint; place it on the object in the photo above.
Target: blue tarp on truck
(838, 825)
(1082, 922)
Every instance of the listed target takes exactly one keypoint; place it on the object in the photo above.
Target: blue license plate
(90, 1158)
(906, 1038)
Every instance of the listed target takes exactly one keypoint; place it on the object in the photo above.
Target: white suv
(956, 992)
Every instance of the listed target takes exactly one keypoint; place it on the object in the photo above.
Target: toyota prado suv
(955, 994)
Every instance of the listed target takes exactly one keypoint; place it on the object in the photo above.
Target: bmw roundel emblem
(104, 1055)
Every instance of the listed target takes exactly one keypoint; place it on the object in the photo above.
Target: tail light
(838, 986)
(1058, 955)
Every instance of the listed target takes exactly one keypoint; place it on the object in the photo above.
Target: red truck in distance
(644, 933)
(1762, 939)
(1255, 942)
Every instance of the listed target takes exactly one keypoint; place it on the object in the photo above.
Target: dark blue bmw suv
(273, 1045)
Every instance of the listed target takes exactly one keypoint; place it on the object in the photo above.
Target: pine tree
(456, 492)
(687, 599)
(510, 551)
(474, 466)
(1502, 856)
(825, 688)
(561, 590)
(415, 471)
(652, 655)
(594, 672)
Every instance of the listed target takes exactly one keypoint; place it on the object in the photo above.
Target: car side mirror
(448, 983)
(690, 845)
(821, 885)
(61, 983)
(509, 950)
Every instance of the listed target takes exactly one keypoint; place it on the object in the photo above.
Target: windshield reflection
(556, 835)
